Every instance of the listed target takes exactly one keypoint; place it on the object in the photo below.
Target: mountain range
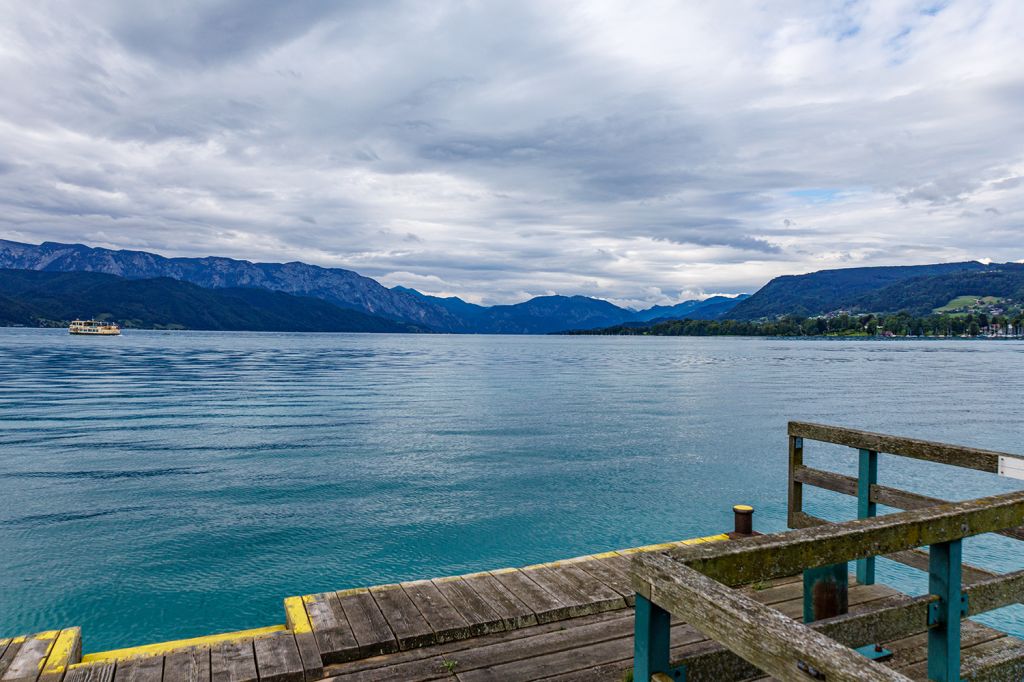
(336, 286)
(145, 289)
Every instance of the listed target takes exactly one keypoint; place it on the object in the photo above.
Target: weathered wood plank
(512, 611)
(456, 649)
(760, 634)
(546, 606)
(685, 640)
(564, 652)
(611, 576)
(27, 660)
(598, 596)
(618, 564)
(443, 618)
(100, 672)
(140, 669)
(771, 556)
(827, 480)
(907, 651)
(10, 653)
(914, 558)
(901, 499)
(774, 592)
(573, 599)
(480, 617)
(369, 626)
(918, 559)
(536, 657)
(331, 627)
(418, 670)
(410, 628)
(297, 620)
(877, 612)
(988, 594)
(795, 497)
(233, 662)
(879, 620)
(864, 595)
(277, 658)
(988, 661)
(943, 453)
(880, 494)
(309, 652)
(66, 650)
(187, 665)
(617, 561)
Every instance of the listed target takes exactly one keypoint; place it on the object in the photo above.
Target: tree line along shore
(970, 325)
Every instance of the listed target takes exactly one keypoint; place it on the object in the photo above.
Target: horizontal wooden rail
(774, 556)
(893, 618)
(943, 453)
(768, 639)
(880, 494)
(914, 558)
(890, 619)
(826, 480)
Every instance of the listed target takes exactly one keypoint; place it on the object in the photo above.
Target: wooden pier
(722, 607)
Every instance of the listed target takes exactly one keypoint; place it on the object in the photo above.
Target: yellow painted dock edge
(66, 646)
(670, 545)
(167, 647)
(295, 615)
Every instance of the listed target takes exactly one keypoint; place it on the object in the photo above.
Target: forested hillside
(34, 298)
(826, 291)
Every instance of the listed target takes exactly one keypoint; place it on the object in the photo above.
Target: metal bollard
(744, 519)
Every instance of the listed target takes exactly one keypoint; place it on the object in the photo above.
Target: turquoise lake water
(170, 484)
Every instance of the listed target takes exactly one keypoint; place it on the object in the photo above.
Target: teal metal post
(866, 477)
(826, 592)
(944, 580)
(650, 640)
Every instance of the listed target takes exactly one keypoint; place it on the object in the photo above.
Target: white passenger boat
(94, 328)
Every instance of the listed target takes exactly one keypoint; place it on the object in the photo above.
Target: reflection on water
(168, 484)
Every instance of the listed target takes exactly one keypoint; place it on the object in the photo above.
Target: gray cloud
(639, 152)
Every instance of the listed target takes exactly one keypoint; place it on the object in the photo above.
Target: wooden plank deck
(600, 647)
(564, 620)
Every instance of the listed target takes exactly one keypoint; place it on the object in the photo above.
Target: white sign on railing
(1011, 467)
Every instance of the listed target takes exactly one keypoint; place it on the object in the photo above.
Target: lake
(169, 484)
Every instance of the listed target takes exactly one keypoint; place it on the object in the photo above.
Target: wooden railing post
(796, 488)
(650, 640)
(867, 476)
(944, 579)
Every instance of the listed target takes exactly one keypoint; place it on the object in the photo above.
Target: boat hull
(105, 332)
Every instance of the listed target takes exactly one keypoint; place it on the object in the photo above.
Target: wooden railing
(869, 493)
(695, 583)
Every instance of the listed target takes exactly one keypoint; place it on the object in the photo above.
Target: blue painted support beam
(650, 640)
(826, 592)
(944, 581)
(866, 477)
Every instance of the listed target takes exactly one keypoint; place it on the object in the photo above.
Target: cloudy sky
(639, 151)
